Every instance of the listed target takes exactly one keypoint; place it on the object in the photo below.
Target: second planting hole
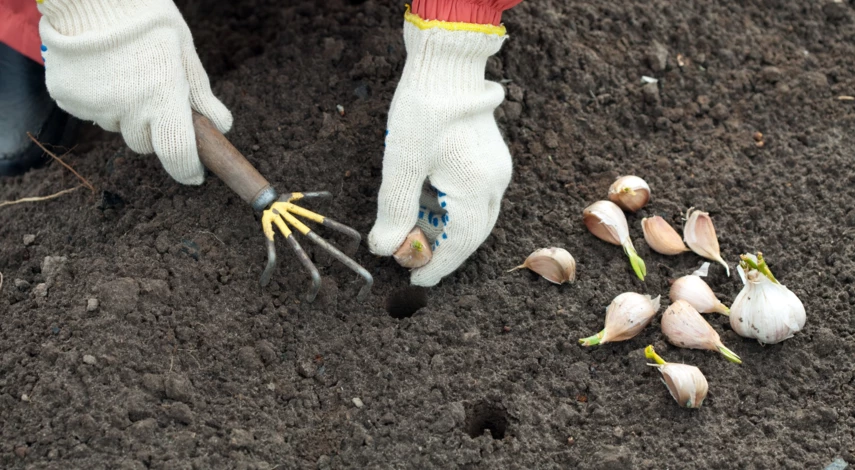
(486, 416)
(403, 303)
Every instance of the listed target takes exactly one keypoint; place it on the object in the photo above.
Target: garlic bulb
(686, 383)
(661, 237)
(415, 251)
(630, 193)
(684, 327)
(606, 221)
(699, 234)
(698, 294)
(626, 316)
(765, 309)
(553, 264)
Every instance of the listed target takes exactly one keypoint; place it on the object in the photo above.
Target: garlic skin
(699, 234)
(415, 251)
(661, 237)
(630, 193)
(698, 294)
(687, 384)
(556, 265)
(626, 316)
(606, 221)
(684, 327)
(765, 309)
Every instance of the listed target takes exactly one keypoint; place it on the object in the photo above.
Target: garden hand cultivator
(222, 158)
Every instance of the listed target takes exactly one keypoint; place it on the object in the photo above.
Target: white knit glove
(130, 66)
(441, 127)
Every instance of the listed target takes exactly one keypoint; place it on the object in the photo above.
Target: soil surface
(186, 362)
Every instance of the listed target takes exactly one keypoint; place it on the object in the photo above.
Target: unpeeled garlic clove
(765, 309)
(415, 251)
(684, 327)
(698, 294)
(661, 237)
(699, 234)
(631, 193)
(553, 264)
(686, 383)
(606, 221)
(626, 316)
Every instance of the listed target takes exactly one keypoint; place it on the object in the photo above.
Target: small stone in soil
(29, 239)
(22, 285)
(92, 305)
(89, 359)
(358, 402)
(41, 290)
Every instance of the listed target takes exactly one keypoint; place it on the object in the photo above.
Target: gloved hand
(130, 66)
(441, 127)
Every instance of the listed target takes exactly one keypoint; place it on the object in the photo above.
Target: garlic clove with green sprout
(606, 221)
(626, 316)
(684, 327)
(699, 234)
(696, 292)
(415, 251)
(661, 237)
(686, 383)
(630, 193)
(556, 265)
(765, 309)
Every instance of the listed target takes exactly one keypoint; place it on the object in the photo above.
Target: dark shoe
(26, 106)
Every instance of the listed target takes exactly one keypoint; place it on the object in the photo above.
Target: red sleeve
(463, 11)
(19, 27)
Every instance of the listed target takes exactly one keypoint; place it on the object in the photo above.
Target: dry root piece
(415, 251)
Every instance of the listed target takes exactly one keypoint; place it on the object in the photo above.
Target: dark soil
(188, 363)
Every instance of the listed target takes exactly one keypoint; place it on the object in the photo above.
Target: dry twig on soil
(85, 182)
(42, 198)
(1, 281)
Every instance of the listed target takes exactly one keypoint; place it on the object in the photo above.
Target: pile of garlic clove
(764, 310)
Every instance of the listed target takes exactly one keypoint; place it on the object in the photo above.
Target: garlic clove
(698, 294)
(686, 383)
(661, 237)
(765, 309)
(415, 251)
(556, 265)
(608, 223)
(699, 234)
(626, 316)
(684, 327)
(630, 193)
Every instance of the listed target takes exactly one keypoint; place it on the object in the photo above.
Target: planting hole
(486, 416)
(403, 303)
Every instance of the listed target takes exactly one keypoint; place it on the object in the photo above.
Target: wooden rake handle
(225, 161)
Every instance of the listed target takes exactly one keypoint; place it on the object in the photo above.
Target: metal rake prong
(271, 263)
(307, 263)
(347, 261)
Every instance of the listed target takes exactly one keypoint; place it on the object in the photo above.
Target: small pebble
(29, 239)
(41, 290)
(358, 402)
(25, 397)
(271, 386)
(255, 148)
(92, 305)
(89, 359)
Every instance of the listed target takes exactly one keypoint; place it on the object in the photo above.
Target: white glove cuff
(448, 58)
(73, 17)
